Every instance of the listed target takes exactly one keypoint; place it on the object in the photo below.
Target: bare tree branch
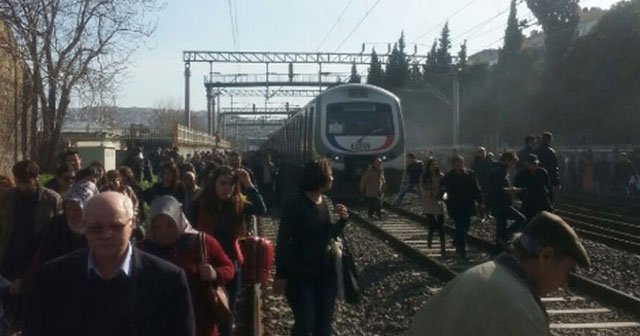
(75, 46)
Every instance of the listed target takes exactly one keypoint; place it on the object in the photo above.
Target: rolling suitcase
(258, 259)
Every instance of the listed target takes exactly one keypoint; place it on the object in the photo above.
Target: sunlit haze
(284, 25)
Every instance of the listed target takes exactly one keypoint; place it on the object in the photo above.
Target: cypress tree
(354, 77)
(398, 69)
(376, 74)
(462, 55)
(512, 39)
(443, 57)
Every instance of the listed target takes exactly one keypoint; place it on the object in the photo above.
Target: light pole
(456, 106)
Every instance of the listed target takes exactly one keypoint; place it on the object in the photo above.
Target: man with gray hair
(111, 288)
(502, 297)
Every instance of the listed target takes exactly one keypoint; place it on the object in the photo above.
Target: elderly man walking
(502, 297)
(111, 288)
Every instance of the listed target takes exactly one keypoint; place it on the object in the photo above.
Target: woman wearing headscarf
(172, 238)
(220, 210)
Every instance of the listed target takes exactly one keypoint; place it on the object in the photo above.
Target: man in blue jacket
(111, 288)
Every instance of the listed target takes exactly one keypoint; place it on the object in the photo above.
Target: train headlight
(336, 158)
(384, 158)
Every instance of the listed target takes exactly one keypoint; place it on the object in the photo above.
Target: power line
(334, 24)
(502, 38)
(441, 23)
(485, 23)
(504, 26)
(235, 20)
(358, 25)
(233, 25)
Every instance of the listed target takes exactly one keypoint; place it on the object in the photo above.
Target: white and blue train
(350, 124)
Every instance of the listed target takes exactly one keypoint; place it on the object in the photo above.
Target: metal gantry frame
(214, 89)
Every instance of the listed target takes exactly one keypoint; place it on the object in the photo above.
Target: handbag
(217, 297)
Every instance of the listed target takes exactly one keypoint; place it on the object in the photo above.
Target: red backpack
(258, 259)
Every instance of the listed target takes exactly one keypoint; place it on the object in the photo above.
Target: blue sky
(156, 75)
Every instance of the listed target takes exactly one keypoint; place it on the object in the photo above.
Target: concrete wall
(104, 152)
(14, 113)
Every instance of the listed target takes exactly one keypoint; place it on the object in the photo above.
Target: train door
(310, 147)
(303, 126)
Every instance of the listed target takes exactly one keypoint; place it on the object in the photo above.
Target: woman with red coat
(220, 210)
(173, 239)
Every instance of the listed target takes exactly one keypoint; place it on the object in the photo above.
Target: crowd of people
(535, 253)
(92, 252)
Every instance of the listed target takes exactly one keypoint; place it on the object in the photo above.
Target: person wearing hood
(65, 232)
(172, 238)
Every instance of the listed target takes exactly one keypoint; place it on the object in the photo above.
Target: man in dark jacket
(499, 199)
(25, 212)
(411, 178)
(622, 171)
(536, 187)
(548, 160)
(482, 166)
(463, 196)
(530, 146)
(111, 288)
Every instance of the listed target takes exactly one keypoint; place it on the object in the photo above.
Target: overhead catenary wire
(442, 22)
(233, 25)
(344, 10)
(502, 38)
(483, 24)
(503, 26)
(358, 25)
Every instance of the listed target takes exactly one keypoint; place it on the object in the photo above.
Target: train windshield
(359, 119)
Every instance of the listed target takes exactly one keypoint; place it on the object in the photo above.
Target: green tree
(397, 72)
(512, 39)
(443, 56)
(559, 19)
(354, 77)
(462, 55)
(430, 66)
(376, 73)
(600, 84)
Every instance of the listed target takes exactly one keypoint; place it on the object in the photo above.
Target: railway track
(616, 227)
(594, 311)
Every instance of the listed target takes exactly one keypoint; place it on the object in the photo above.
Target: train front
(358, 124)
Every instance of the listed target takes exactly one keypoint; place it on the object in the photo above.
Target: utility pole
(187, 76)
(210, 103)
(456, 108)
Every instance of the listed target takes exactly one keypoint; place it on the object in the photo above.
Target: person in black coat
(549, 161)
(169, 184)
(111, 288)
(463, 197)
(305, 268)
(499, 199)
(536, 187)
